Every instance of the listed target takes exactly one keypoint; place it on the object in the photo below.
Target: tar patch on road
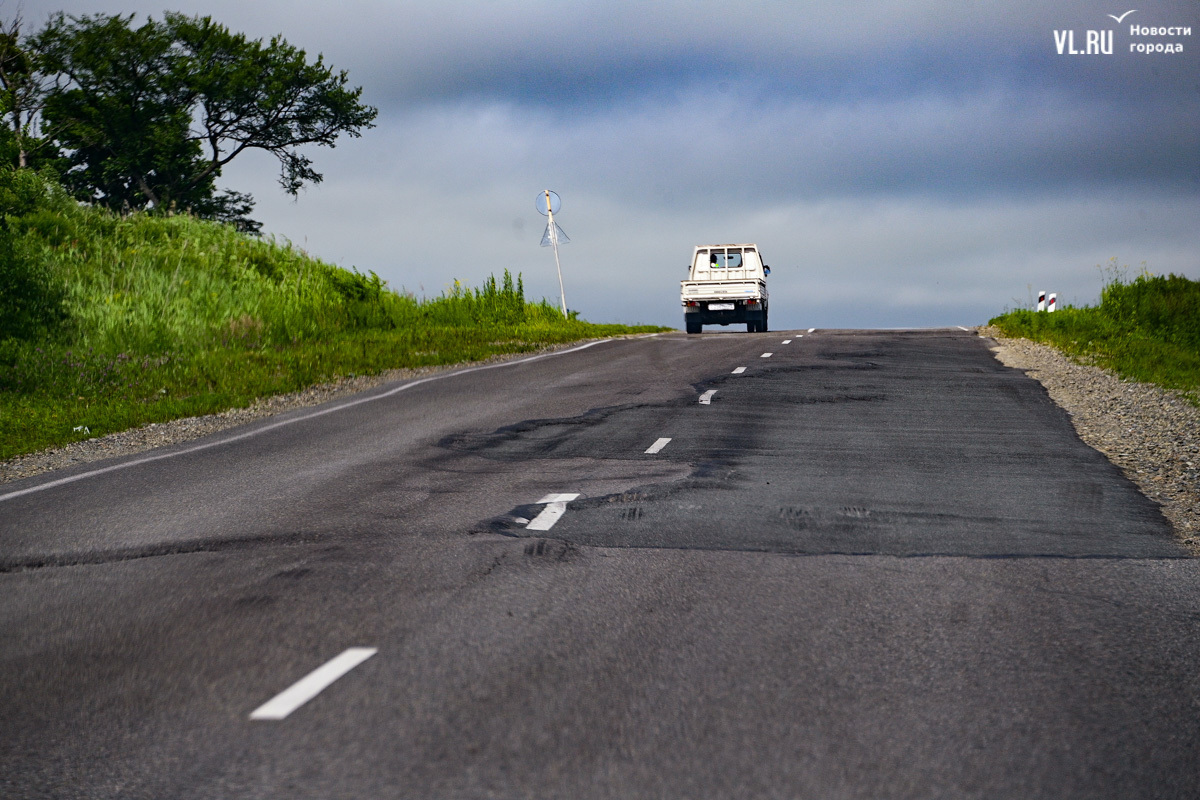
(902, 443)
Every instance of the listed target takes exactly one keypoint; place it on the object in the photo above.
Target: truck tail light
(751, 301)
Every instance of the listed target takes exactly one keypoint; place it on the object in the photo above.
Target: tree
(23, 86)
(121, 112)
(251, 96)
(150, 115)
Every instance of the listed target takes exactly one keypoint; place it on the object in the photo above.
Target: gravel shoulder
(1151, 434)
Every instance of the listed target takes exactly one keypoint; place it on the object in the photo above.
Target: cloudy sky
(900, 164)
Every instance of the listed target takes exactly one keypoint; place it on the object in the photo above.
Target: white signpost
(547, 203)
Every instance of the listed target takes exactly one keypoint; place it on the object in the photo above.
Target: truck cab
(727, 284)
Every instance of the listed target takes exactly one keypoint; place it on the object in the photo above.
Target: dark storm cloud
(888, 100)
(804, 99)
(545, 51)
(704, 145)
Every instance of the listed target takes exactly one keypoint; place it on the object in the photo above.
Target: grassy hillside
(1147, 329)
(114, 321)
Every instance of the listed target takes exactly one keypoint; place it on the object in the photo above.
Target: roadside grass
(1147, 330)
(169, 316)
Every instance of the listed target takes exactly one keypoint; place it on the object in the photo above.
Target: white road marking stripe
(766, 355)
(556, 506)
(558, 498)
(810, 330)
(657, 446)
(739, 370)
(290, 421)
(961, 328)
(311, 685)
(706, 398)
(787, 341)
(546, 519)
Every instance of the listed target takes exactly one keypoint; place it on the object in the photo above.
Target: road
(869, 564)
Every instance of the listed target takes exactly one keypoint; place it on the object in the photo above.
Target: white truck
(727, 283)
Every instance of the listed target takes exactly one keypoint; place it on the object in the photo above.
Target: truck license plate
(720, 306)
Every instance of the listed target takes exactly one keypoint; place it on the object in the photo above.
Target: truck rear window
(725, 259)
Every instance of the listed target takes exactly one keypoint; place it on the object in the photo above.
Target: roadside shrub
(355, 286)
(23, 191)
(31, 296)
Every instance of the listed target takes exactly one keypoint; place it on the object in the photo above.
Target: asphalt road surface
(867, 565)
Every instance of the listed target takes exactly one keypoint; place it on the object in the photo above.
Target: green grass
(161, 317)
(1147, 329)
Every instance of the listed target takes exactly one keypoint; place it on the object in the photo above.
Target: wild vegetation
(1146, 329)
(110, 321)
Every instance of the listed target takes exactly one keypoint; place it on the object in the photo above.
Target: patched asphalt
(897, 443)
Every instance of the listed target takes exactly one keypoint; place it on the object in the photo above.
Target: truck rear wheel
(693, 327)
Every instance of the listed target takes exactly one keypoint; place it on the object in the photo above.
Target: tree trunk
(146, 190)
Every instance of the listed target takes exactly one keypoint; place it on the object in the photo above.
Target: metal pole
(554, 243)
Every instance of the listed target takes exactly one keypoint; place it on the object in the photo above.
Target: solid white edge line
(961, 328)
(706, 398)
(657, 446)
(312, 684)
(739, 370)
(282, 423)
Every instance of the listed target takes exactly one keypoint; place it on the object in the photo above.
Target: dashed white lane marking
(657, 446)
(706, 398)
(810, 330)
(556, 506)
(312, 684)
(787, 341)
(766, 355)
(322, 411)
(739, 370)
(558, 498)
